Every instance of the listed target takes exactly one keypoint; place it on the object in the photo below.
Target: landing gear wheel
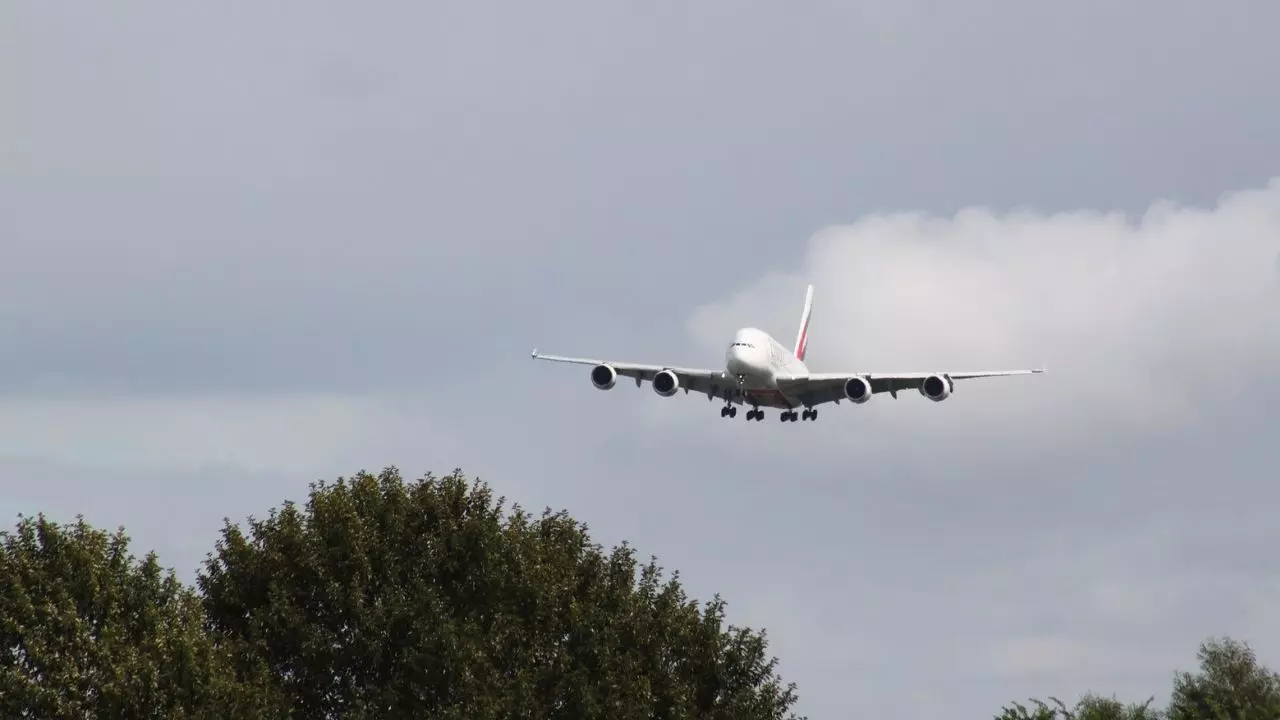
(809, 414)
(755, 414)
(788, 416)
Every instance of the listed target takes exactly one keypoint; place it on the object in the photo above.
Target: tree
(1096, 707)
(1042, 711)
(1231, 685)
(87, 631)
(382, 597)
(1089, 707)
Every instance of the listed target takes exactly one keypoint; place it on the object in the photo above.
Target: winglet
(534, 354)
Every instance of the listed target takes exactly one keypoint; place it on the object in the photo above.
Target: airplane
(760, 372)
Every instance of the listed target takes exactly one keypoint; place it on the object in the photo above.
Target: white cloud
(1143, 324)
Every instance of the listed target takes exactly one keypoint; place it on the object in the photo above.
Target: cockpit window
(742, 344)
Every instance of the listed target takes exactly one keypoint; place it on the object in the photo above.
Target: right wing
(712, 383)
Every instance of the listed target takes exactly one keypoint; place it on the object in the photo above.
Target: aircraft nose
(740, 359)
(733, 358)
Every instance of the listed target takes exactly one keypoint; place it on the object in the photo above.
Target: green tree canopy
(386, 598)
(1230, 685)
(88, 631)
(382, 597)
(1089, 707)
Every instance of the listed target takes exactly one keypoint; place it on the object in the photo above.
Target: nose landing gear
(755, 413)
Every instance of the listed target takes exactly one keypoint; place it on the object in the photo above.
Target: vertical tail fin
(802, 337)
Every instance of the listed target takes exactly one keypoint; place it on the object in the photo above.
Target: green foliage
(1096, 707)
(385, 598)
(1089, 707)
(1230, 685)
(1042, 711)
(90, 632)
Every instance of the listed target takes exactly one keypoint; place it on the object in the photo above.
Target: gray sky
(246, 246)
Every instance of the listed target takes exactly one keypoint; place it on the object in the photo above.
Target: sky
(248, 246)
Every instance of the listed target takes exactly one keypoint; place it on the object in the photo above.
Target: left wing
(818, 388)
(712, 383)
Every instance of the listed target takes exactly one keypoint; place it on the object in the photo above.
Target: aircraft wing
(819, 388)
(699, 380)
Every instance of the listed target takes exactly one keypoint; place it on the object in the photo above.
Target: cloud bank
(1144, 323)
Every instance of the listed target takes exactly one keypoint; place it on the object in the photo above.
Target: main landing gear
(752, 414)
(757, 414)
(791, 416)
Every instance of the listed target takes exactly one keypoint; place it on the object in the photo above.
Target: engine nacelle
(857, 390)
(604, 377)
(937, 387)
(666, 383)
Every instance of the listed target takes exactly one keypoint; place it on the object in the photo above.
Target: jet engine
(604, 377)
(937, 387)
(857, 390)
(666, 383)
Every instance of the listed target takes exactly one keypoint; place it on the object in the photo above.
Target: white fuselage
(757, 358)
